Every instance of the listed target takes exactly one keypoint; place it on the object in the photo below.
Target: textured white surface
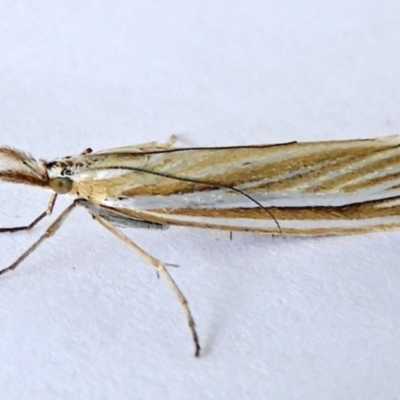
(278, 318)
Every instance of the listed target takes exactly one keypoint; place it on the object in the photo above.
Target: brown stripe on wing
(365, 210)
(303, 167)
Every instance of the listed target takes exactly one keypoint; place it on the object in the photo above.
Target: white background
(278, 318)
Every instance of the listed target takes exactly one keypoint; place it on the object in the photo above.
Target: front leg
(156, 146)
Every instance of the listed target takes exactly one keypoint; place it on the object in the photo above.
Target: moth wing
(321, 186)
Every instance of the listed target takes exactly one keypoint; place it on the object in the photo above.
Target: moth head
(19, 167)
(60, 173)
(61, 185)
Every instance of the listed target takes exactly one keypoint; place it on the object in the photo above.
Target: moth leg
(162, 270)
(86, 151)
(155, 146)
(50, 231)
(45, 213)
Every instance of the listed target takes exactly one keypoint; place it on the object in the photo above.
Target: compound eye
(61, 185)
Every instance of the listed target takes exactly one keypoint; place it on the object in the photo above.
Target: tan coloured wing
(310, 188)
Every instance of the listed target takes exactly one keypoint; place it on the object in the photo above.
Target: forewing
(325, 187)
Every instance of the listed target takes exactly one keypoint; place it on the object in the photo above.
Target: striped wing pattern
(315, 188)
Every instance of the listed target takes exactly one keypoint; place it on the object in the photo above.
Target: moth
(308, 189)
